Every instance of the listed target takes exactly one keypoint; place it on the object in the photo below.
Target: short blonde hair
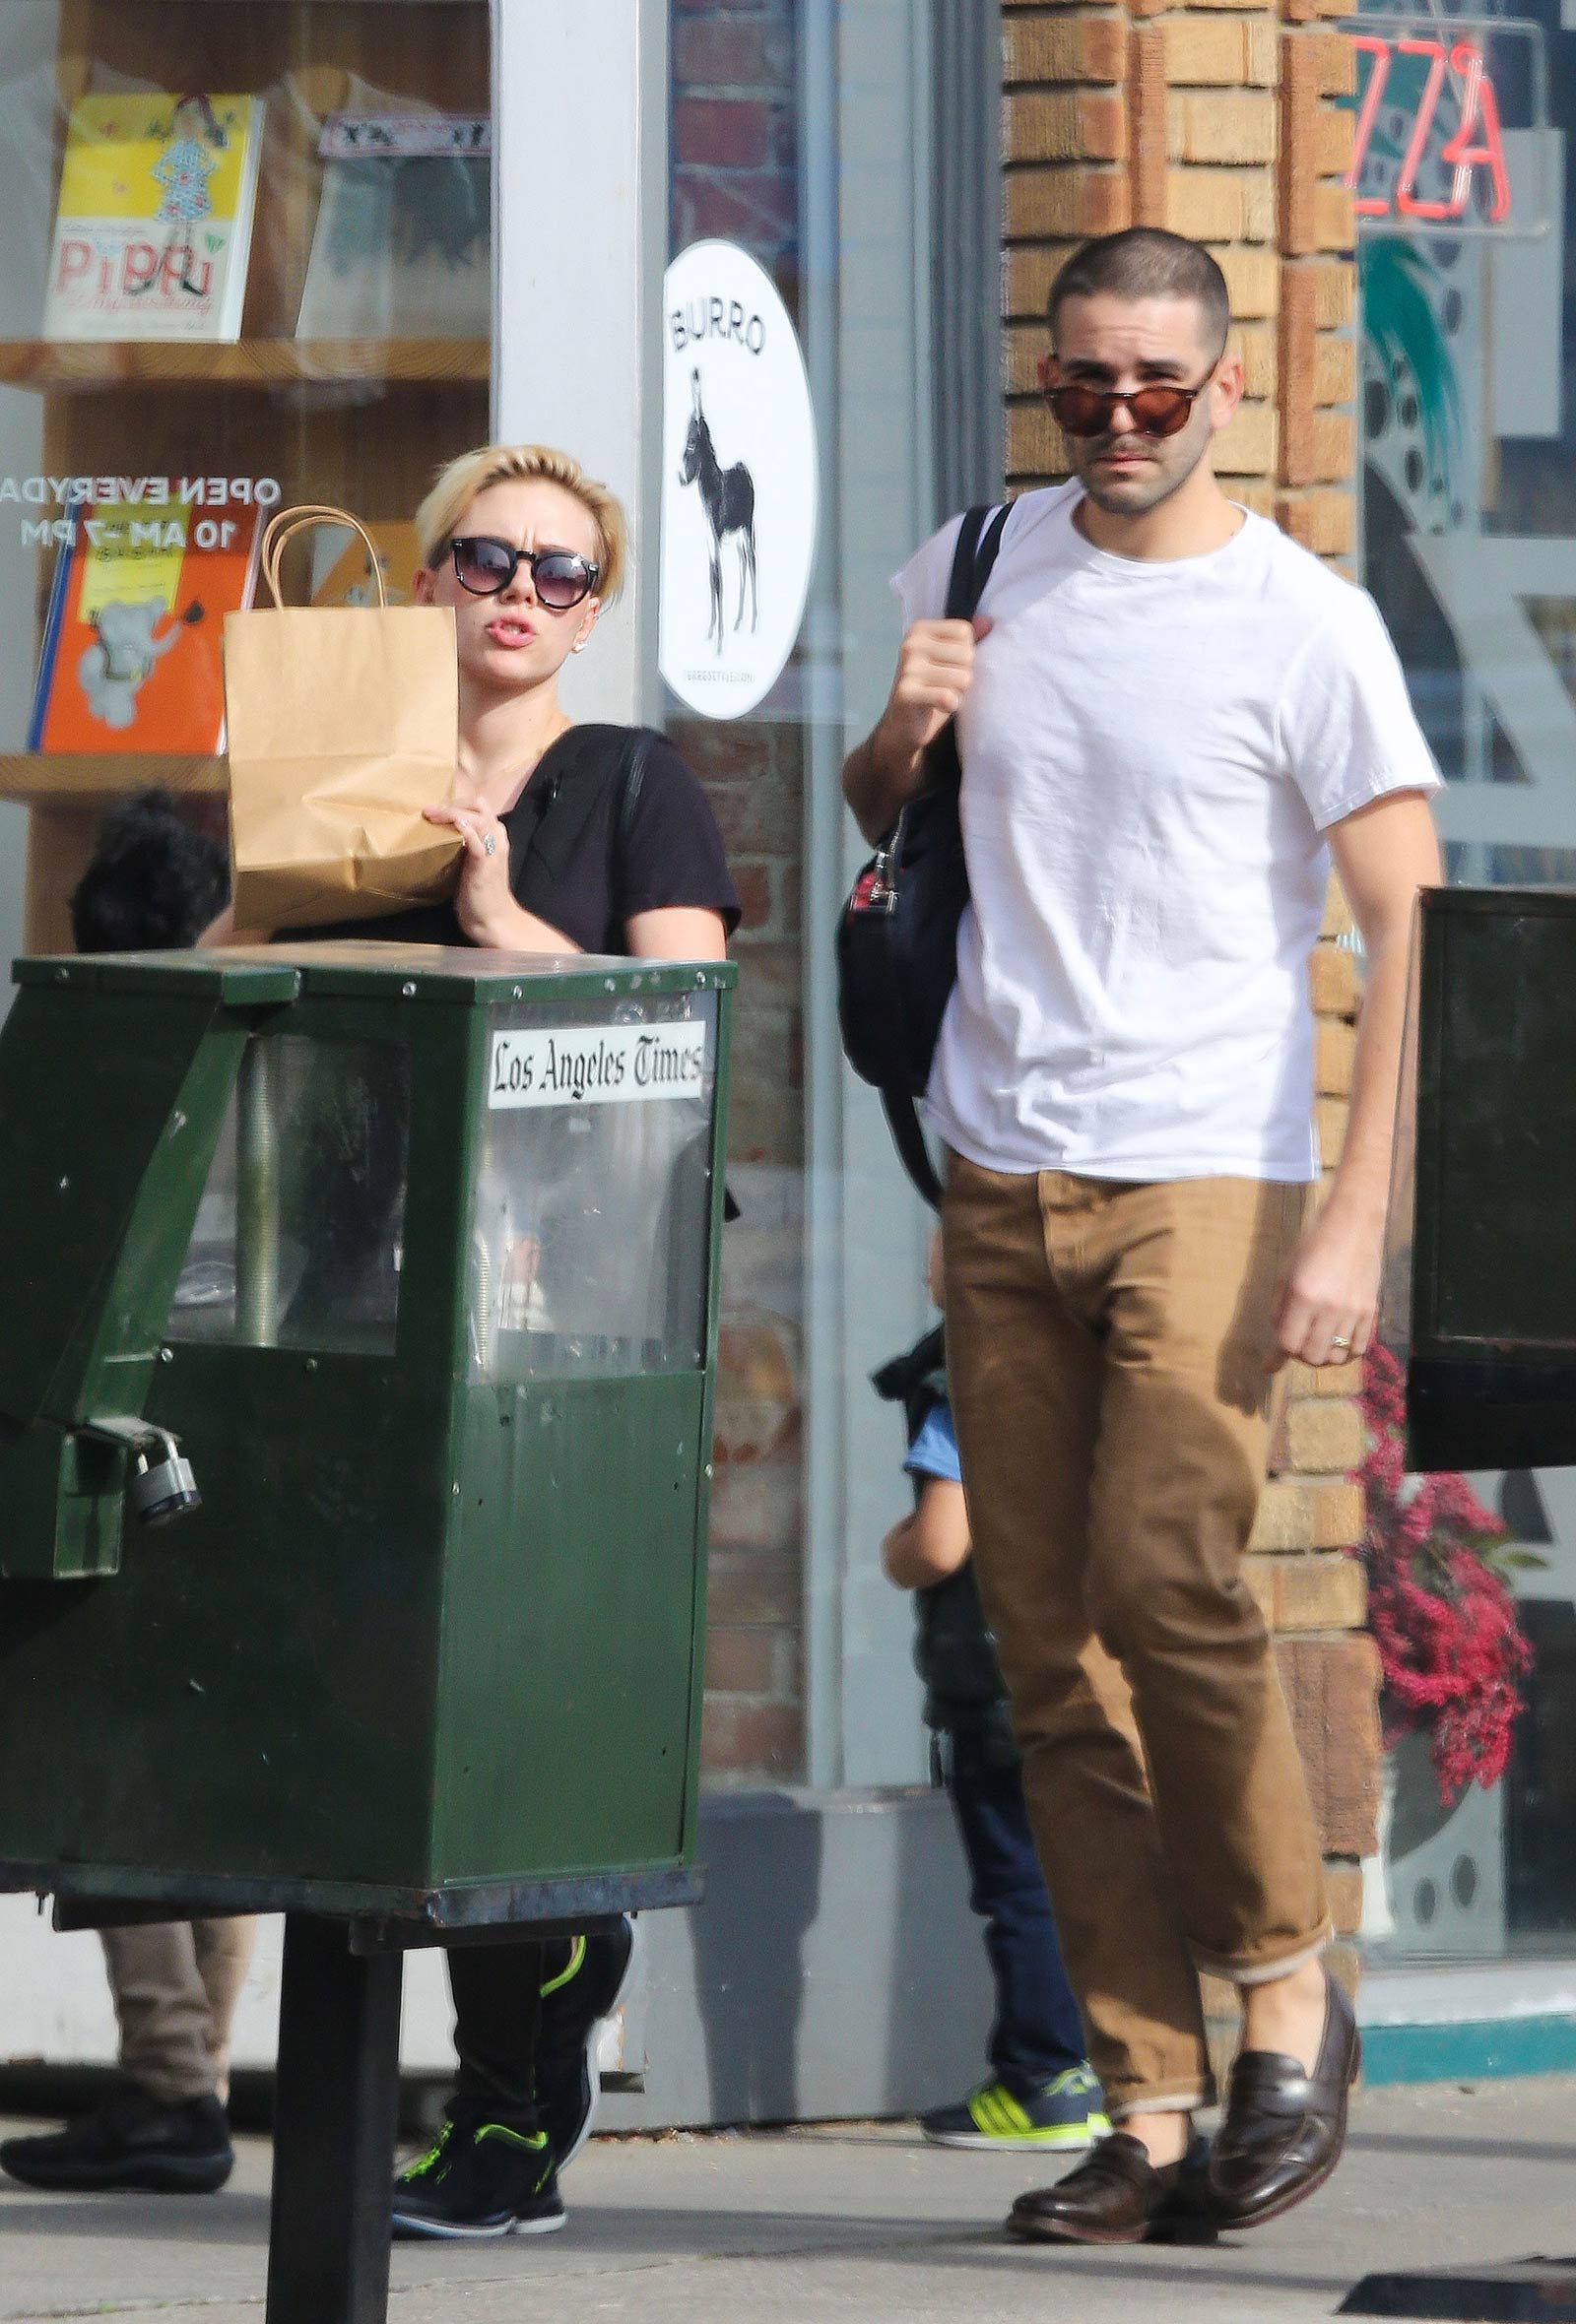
(460, 481)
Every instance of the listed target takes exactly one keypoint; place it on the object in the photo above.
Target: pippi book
(155, 224)
(130, 659)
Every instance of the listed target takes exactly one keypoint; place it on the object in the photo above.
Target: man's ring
(490, 847)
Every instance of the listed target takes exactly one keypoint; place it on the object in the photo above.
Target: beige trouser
(175, 1986)
(1105, 1350)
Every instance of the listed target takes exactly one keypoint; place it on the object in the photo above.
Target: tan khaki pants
(175, 1986)
(1105, 1350)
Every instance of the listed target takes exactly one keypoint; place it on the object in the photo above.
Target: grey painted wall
(833, 1971)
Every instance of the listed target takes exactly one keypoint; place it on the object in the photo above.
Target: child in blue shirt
(1040, 2092)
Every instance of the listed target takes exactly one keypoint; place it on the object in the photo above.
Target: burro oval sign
(739, 482)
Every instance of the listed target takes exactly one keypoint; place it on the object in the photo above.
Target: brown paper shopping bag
(342, 723)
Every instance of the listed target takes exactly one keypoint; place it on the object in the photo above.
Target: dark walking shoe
(1187, 2215)
(586, 1987)
(1283, 2130)
(480, 2178)
(1115, 2197)
(132, 2142)
(1062, 2115)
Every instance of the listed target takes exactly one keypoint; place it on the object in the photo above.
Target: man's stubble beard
(1164, 479)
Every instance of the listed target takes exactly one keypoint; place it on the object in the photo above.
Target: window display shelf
(328, 171)
(62, 779)
(59, 366)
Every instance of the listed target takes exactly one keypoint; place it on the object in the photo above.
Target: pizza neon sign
(1430, 147)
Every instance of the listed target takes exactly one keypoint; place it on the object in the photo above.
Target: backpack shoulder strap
(908, 1137)
(979, 542)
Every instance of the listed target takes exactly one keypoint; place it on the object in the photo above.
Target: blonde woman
(591, 838)
(527, 549)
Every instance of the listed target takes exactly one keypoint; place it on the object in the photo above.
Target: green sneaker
(1065, 2114)
(477, 2179)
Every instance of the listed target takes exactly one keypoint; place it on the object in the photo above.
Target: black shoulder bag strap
(632, 773)
(908, 1137)
(979, 542)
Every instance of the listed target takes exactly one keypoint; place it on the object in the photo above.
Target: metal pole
(334, 2124)
(578, 332)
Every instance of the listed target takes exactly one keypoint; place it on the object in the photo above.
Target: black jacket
(955, 1653)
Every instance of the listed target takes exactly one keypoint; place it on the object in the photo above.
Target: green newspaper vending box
(358, 1313)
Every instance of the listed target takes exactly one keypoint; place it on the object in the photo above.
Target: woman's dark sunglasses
(560, 577)
(1159, 410)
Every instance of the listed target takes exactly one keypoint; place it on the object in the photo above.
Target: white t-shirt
(1151, 752)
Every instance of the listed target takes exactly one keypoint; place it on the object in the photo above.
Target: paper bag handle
(283, 527)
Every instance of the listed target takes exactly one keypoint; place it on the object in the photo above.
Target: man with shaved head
(1171, 719)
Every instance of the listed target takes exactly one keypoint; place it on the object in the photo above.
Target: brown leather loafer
(1284, 2130)
(1187, 2213)
(1112, 2197)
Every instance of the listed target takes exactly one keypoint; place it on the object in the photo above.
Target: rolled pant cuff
(1162, 2102)
(1263, 1972)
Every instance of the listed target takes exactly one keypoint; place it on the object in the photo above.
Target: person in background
(153, 883)
(1040, 2094)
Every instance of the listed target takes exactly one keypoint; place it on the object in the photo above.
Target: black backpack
(897, 934)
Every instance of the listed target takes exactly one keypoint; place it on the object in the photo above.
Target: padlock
(162, 1489)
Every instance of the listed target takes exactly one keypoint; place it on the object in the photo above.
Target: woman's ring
(1337, 1342)
(490, 847)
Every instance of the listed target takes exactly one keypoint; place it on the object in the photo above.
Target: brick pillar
(1218, 121)
(1317, 352)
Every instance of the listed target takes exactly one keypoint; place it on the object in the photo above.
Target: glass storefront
(303, 309)
(800, 134)
(1469, 544)
(281, 292)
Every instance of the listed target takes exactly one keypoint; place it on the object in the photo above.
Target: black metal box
(1484, 1216)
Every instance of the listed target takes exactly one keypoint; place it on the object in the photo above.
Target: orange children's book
(130, 659)
(342, 571)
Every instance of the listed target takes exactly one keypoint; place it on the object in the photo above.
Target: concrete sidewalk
(861, 2222)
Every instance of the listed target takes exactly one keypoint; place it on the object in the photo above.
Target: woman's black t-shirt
(589, 848)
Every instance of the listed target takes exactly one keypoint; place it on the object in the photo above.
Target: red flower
(1451, 1649)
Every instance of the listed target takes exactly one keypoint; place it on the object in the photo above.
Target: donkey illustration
(728, 495)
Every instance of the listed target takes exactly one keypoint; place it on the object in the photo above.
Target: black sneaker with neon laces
(583, 1986)
(478, 2178)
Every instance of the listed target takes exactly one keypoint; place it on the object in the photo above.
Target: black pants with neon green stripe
(502, 1996)
(498, 2023)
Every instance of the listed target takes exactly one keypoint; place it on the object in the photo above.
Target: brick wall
(735, 174)
(1218, 121)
